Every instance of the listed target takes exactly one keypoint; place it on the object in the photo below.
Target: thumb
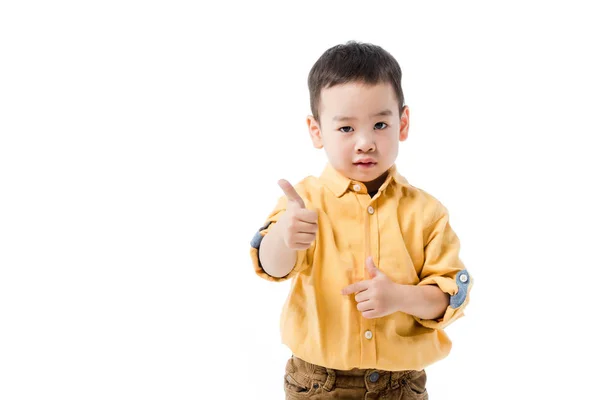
(371, 268)
(291, 193)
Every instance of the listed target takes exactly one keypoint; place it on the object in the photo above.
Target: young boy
(374, 263)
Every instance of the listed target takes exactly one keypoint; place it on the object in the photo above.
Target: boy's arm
(381, 296)
(285, 244)
(275, 257)
(443, 291)
(425, 302)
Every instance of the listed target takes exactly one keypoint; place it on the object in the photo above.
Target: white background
(140, 147)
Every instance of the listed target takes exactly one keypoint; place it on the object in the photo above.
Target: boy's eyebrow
(379, 114)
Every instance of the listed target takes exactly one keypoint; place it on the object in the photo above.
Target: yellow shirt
(407, 232)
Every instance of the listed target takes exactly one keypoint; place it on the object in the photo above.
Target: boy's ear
(315, 132)
(404, 123)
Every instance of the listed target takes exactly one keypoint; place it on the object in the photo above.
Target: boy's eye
(378, 126)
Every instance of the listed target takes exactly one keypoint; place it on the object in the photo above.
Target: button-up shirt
(407, 232)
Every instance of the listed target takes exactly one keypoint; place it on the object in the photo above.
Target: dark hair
(353, 62)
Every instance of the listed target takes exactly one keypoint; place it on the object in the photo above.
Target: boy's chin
(367, 174)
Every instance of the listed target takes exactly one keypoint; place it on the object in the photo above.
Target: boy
(374, 263)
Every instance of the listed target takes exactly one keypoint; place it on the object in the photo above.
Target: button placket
(368, 345)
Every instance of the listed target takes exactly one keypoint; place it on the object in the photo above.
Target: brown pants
(305, 380)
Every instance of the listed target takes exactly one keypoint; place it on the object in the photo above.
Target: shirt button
(374, 377)
(369, 334)
(370, 210)
(463, 278)
(356, 188)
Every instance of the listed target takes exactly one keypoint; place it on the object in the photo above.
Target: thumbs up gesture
(376, 297)
(298, 225)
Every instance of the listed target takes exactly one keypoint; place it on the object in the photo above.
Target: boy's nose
(365, 143)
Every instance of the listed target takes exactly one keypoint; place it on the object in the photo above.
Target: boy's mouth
(365, 160)
(365, 163)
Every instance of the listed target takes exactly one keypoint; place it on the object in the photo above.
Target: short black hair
(353, 62)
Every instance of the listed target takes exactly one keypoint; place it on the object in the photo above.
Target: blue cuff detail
(255, 242)
(462, 280)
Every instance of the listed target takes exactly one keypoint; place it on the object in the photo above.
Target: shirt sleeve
(443, 267)
(303, 257)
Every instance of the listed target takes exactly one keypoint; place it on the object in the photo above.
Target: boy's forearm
(275, 257)
(425, 302)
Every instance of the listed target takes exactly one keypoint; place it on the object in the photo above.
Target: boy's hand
(376, 297)
(298, 225)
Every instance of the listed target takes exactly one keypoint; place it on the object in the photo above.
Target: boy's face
(360, 129)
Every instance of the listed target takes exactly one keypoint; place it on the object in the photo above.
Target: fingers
(355, 287)
(361, 296)
(298, 234)
(305, 227)
(370, 314)
(309, 216)
(299, 225)
(298, 240)
(299, 246)
(372, 270)
(291, 194)
(304, 238)
(365, 306)
(370, 263)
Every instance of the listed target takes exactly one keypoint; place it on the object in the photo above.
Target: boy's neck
(374, 185)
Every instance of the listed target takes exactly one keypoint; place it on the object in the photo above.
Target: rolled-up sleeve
(443, 267)
(303, 257)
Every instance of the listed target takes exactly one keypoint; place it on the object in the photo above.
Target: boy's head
(358, 109)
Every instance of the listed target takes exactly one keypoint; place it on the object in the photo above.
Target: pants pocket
(295, 386)
(415, 384)
(296, 383)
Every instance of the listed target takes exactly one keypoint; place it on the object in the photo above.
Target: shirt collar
(339, 184)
